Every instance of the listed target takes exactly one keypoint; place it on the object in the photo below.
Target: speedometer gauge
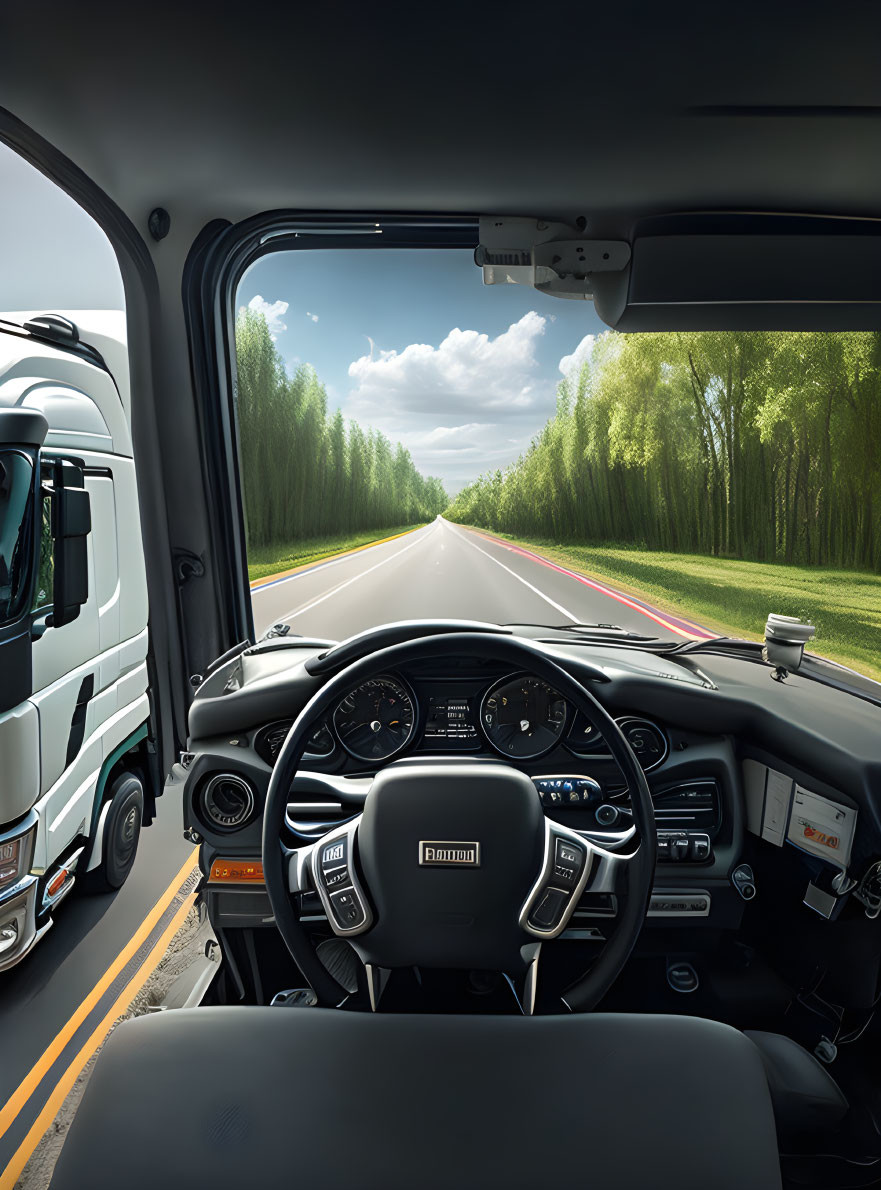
(376, 720)
(523, 717)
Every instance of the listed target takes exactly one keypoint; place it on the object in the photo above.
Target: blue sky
(413, 343)
(53, 256)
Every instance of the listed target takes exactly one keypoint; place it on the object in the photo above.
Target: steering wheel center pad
(446, 851)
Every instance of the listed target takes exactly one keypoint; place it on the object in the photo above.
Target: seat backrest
(326, 1100)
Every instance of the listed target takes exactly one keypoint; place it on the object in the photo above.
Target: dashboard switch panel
(700, 848)
(694, 903)
(683, 847)
(562, 792)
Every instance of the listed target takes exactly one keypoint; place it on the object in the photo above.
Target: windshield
(415, 444)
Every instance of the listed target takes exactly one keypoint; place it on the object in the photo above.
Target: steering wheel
(453, 863)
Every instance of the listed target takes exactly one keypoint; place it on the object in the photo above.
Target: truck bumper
(18, 926)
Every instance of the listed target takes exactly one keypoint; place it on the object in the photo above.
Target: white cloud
(459, 453)
(468, 372)
(272, 312)
(450, 440)
(573, 363)
(470, 404)
(314, 317)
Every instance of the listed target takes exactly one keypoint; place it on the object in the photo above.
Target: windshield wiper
(614, 631)
(601, 630)
(817, 669)
(731, 645)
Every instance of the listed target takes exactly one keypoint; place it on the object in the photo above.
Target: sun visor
(806, 282)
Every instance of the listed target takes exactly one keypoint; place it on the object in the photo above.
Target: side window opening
(44, 591)
(16, 538)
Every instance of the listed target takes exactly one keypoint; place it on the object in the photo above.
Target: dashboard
(459, 707)
(697, 729)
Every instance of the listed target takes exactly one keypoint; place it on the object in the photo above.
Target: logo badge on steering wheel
(444, 854)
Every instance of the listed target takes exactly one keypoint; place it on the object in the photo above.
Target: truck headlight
(15, 858)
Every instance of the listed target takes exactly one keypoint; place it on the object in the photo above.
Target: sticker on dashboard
(821, 827)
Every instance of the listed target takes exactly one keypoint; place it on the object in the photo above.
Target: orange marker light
(58, 883)
(236, 871)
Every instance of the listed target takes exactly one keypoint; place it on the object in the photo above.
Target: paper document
(754, 777)
(778, 794)
(822, 827)
(768, 796)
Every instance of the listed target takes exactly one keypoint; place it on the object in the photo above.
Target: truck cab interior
(456, 953)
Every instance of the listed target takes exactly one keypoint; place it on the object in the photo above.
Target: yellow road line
(66, 1082)
(268, 578)
(35, 1075)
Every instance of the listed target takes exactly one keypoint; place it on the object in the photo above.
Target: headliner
(613, 111)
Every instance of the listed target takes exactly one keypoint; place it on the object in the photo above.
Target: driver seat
(326, 1099)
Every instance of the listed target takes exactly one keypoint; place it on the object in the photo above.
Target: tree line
(765, 446)
(306, 472)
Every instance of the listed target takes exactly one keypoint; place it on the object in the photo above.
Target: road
(54, 1006)
(52, 1002)
(447, 572)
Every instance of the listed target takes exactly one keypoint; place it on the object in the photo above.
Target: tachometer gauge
(376, 720)
(523, 717)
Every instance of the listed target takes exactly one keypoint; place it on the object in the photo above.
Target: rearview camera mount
(554, 258)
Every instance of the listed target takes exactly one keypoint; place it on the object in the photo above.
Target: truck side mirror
(22, 433)
(71, 524)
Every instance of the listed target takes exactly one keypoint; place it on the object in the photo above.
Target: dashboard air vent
(227, 801)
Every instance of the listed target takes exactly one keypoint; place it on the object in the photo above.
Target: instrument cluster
(520, 716)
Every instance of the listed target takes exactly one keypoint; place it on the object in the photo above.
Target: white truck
(77, 763)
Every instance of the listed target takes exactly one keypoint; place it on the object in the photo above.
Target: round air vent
(647, 741)
(227, 801)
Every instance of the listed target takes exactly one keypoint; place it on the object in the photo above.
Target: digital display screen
(450, 719)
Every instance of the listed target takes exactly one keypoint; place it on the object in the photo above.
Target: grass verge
(265, 561)
(734, 597)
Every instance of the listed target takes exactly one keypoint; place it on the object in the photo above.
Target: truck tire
(122, 829)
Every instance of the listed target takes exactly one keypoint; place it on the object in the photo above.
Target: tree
(758, 445)
(305, 473)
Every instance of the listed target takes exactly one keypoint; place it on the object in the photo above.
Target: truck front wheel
(122, 829)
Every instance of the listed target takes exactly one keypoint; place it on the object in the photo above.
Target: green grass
(272, 559)
(734, 597)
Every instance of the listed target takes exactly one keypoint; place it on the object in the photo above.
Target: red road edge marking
(697, 630)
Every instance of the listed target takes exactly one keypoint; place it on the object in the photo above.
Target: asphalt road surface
(54, 1005)
(52, 1002)
(446, 572)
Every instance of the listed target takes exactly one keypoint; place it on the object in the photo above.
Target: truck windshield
(16, 531)
(415, 444)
